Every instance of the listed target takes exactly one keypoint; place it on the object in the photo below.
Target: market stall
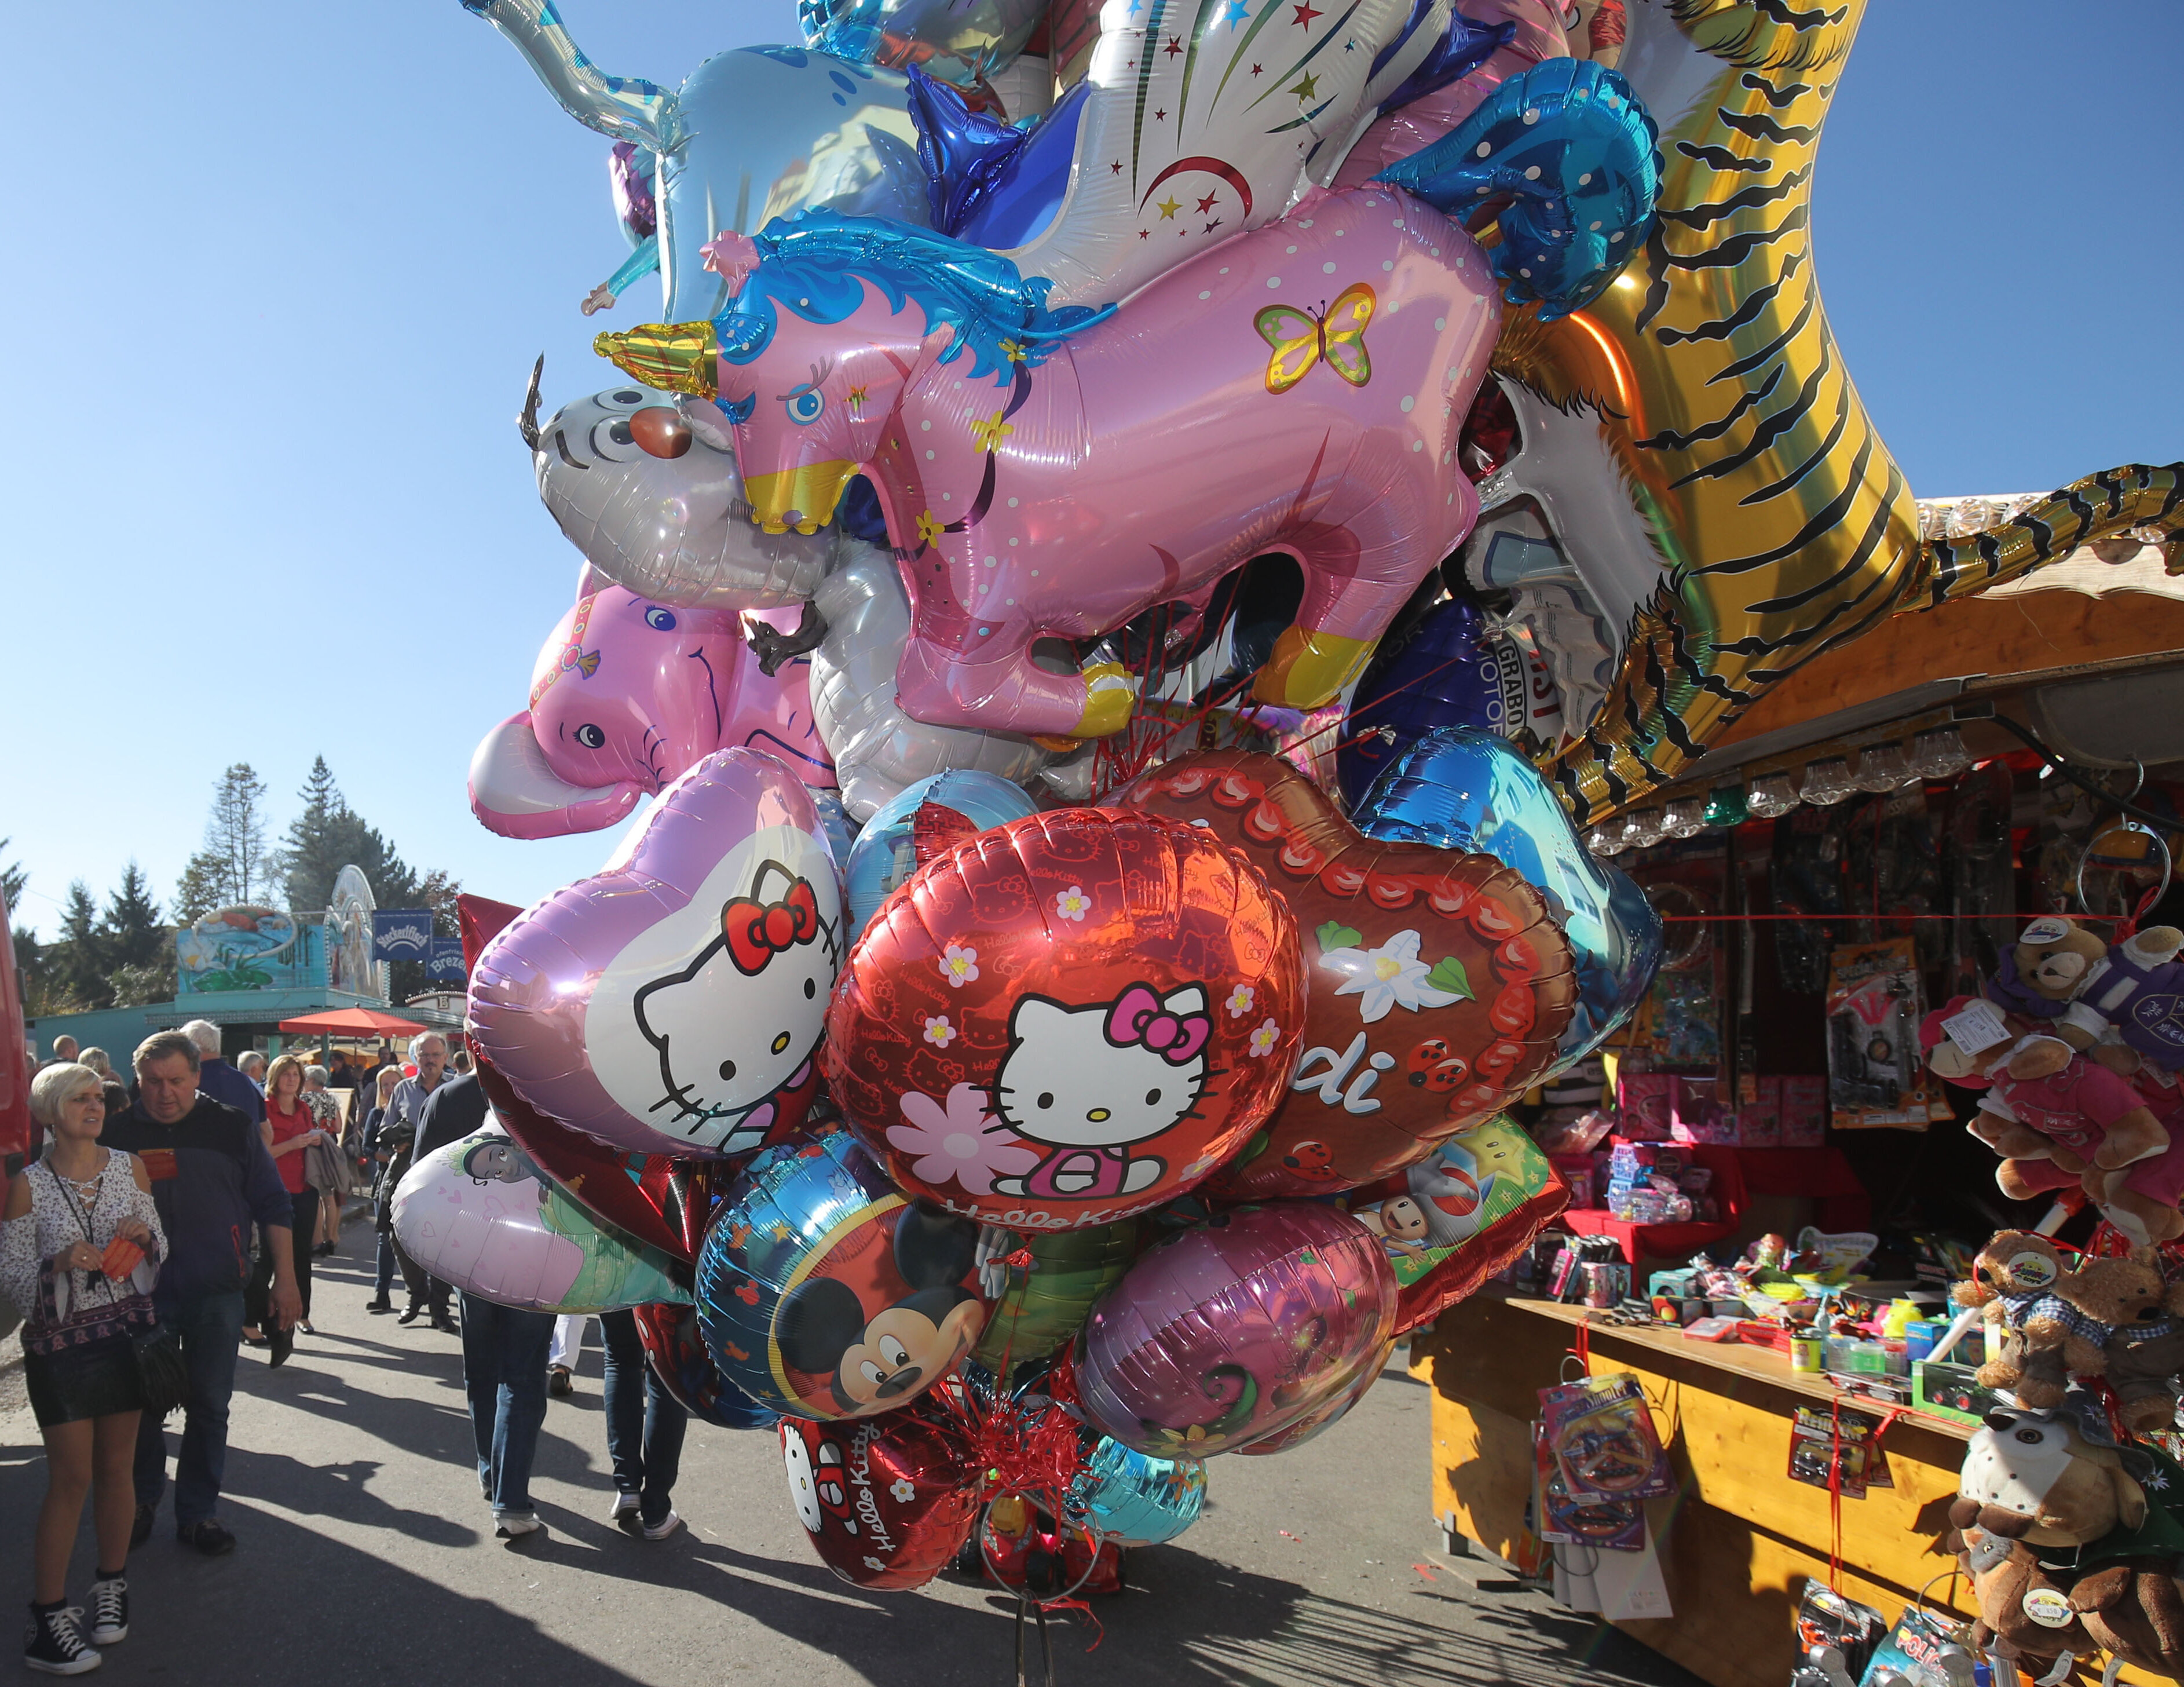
(1911, 868)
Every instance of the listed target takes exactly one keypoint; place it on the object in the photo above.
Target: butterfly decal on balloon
(1335, 333)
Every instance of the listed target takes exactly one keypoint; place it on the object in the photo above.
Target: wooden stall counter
(1740, 1538)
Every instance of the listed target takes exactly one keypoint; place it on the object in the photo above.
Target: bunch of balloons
(986, 1058)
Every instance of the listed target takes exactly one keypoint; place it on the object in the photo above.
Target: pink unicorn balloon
(1048, 474)
(628, 694)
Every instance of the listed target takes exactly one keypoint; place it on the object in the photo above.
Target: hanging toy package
(1836, 1638)
(1601, 1438)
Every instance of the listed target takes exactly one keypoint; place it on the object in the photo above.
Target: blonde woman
(323, 1166)
(80, 1247)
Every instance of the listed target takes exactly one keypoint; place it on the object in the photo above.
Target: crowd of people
(169, 1219)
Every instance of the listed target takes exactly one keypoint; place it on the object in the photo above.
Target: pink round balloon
(672, 1003)
(1237, 1329)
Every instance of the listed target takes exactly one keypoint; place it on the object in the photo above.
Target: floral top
(63, 1308)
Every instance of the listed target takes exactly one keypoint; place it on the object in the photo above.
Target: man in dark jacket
(218, 1079)
(212, 1178)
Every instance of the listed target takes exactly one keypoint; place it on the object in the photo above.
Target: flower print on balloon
(1090, 966)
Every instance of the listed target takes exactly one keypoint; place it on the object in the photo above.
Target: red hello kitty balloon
(1068, 1018)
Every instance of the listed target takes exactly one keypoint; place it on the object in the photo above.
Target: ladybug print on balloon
(671, 1003)
(1068, 1018)
(824, 1293)
(1437, 983)
(888, 1501)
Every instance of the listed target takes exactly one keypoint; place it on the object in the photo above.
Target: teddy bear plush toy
(2137, 991)
(2047, 1102)
(2048, 1322)
(2040, 978)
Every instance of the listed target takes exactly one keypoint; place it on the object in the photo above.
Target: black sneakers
(53, 1642)
(109, 1612)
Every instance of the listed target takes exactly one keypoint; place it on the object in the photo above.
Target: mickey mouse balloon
(1068, 1018)
(672, 1003)
(823, 1293)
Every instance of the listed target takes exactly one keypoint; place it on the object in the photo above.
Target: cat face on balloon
(737, 1024)
(1089, 1083)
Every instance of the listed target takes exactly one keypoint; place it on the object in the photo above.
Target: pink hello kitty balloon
(672, 1003)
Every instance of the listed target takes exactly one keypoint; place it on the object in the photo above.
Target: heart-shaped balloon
(671, 1003)
(888, 1501)
(1068, 1019)
(1437, 984)
(1233, 1330)
(1460, 788)
(480, 1214)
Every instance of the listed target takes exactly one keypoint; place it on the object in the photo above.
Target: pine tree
(131, 930)
(233, 867)
(76, 966)
(12, 878)
(313, 856)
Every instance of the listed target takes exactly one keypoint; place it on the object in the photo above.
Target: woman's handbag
(161, 1370)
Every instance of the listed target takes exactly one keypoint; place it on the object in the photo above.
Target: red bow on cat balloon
(758, 931)
(1139, 1020)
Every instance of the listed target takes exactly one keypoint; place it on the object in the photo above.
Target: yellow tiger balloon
(1722, 505)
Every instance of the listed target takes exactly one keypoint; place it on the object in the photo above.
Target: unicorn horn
(673, 357)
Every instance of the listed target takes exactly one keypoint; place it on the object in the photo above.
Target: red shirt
(286, 1127)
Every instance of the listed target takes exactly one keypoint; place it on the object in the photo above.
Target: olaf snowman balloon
(672, 1003)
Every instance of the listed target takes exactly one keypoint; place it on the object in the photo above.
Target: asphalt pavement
(365, 1555)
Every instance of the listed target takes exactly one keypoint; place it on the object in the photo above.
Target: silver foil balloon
(877, 748)
(675, 529)
(752, 134)
(959, 40)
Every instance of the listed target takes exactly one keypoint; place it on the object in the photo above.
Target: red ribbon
(758, 931)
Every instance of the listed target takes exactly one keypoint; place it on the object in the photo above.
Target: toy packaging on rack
(1874, 1009)
(1837, 1449)
(1836, 1637)
(1569, 1520)
(1602, 1439)
(1922, 1650)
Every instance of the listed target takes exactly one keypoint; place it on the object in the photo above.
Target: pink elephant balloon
(672, 1003)
(628, 693)
(1237, 1330)
(1049, 474)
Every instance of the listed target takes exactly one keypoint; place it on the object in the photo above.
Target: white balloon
(877, 748)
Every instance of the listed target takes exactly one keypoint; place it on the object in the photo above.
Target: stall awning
(352, 1022)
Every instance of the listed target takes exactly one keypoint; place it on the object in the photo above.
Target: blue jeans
(210, 1329)
(382, 1282)
(645, 1424)
(505, 1373)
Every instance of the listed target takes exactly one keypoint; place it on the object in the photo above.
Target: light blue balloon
(958, 40)
(1458, 787)
(1133, 1499)
(885, 853)
(755, 133)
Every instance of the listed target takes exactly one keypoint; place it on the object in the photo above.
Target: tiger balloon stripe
(1753, 516)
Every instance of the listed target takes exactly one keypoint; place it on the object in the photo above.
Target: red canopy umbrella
(352, 1022)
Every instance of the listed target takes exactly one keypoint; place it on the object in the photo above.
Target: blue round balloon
(885, 853)
(1132, 1498)
(1442, 675)
(824, 1293)
(1460, 788)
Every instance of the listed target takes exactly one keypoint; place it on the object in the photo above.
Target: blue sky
(281, 273)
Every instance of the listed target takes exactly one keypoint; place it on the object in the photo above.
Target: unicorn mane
(811, 263)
